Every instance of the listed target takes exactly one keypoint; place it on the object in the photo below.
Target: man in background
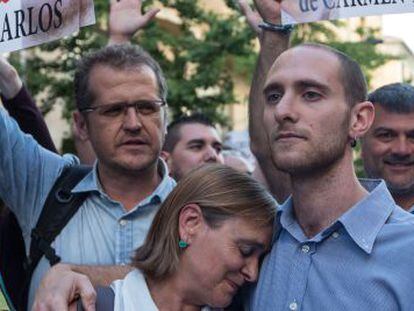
(191, 141)
(387, 149)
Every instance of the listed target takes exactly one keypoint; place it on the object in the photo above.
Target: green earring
(182, 244)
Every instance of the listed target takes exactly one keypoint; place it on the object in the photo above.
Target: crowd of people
(166, 220)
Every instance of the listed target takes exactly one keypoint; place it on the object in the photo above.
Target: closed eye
(246, 251)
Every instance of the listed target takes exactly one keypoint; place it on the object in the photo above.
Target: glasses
(143, 107)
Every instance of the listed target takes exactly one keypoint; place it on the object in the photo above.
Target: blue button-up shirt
(102, 232)
(364, 261)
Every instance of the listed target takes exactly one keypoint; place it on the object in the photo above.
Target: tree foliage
(198, 66)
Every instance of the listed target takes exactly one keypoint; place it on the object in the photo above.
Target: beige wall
(398, 70)
(58, 126)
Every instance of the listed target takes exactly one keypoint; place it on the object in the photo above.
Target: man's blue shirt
(364, 261)
(102, 232)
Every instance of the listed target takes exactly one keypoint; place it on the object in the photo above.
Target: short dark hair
(395, 97)
(353, 79)
(173, 129)
(120, 57)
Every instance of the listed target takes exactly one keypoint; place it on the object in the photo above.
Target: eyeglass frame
(125, 106)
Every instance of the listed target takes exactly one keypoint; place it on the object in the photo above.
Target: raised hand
(253, 18)
(267, 10)
(10, 82)
(126, 18)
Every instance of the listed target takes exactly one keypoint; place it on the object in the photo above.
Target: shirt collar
(365, 219)
(91, 183)
(285, 219)
(362, 222)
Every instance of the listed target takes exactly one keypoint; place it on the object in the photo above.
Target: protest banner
(26, 23)
(304, 11)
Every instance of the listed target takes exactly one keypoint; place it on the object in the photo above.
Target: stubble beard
(396, 189)
(401, 190)
(319, 158)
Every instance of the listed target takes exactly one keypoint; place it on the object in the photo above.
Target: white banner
(304, 11)
(26, 23)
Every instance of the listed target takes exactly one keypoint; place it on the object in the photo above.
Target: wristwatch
(284, 29)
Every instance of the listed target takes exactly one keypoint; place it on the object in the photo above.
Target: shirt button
(305, 249)
(293, 306)
(123, 222)
(335, 235)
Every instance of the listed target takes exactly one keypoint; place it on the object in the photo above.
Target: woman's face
(219, 261)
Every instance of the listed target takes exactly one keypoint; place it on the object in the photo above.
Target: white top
(132, 294)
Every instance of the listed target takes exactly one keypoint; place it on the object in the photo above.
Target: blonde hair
(221, 193)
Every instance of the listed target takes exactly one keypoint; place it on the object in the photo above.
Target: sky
(400, 26)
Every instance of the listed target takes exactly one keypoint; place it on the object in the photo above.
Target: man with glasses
(121, 109)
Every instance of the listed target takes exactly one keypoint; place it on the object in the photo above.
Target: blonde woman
(205, 242)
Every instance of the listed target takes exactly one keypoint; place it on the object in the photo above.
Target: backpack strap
(59, 208)
(60, 205)
(105, 299)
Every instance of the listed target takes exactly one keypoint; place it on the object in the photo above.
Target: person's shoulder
(398, 232)
(400, 217)
(70, 159)
(134, 277)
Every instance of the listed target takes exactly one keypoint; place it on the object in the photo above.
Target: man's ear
(190, 223)
(362, 117)
(80, 128)
(166, 156)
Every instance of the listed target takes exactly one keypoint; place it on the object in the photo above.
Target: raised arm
(21, 106)
(272, 44)
(126, 18)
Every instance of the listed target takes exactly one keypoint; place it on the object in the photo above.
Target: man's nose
(403, 147)
(286, 109)
(211, 154)
(132, 120)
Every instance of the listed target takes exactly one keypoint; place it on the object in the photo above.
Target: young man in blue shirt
(339, 244)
